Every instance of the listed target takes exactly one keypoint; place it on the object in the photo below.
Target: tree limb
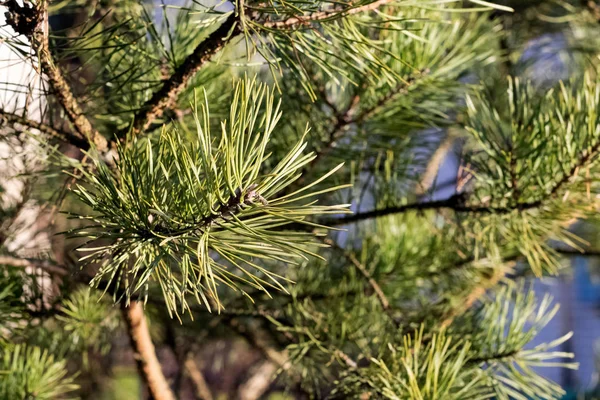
(32, 21)
(48, 130)
(141, 342)
(455, 203)
(200, 384)
(44, 265)
(259, 382)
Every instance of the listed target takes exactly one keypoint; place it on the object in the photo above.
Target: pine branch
(32, 21)
(147, 362)
(586, 157)
(296, 22)
(48, 130)
(166, 97)
(493, 357)
(455, 203)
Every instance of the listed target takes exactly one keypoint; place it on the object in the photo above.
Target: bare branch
(259, 382)
(455, 203)
(195, 374)
(44, 265)
(48, 130)
(385, 304)
(141, 342)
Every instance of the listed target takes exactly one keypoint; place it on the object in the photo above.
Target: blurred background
(547, 41)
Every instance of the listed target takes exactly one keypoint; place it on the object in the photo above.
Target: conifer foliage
(182, 172)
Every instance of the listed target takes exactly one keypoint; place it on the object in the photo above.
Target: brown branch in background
(259, 343)
(145, 355)
(433, 166)
(594, 9)
(44, 265)
(383, 300)
(48, 130)
(195, 374)
(32, 21)
(166, 97)
(255, 387)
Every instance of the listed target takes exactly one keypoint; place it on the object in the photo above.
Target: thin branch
(383, 300)
(48, 130)
(44, 265)
(147, 362)
(259, 382)
(200, 384)
(493, 357)
(166, 97)
(295, 22)
(575, 252)
(433, 166)
(345, 119)
(455, 203)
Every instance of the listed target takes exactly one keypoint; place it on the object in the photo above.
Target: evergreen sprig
(183, 210)
(30, 372)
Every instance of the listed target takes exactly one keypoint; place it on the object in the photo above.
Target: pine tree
(183, 172)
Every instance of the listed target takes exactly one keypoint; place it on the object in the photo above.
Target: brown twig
(259, 382)
(458, 201)
(345, 119)
(295, 22)
(147, 362)
(383, 300)
(193, 371)
(46, 129)
(455, 203)
(44, 265)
